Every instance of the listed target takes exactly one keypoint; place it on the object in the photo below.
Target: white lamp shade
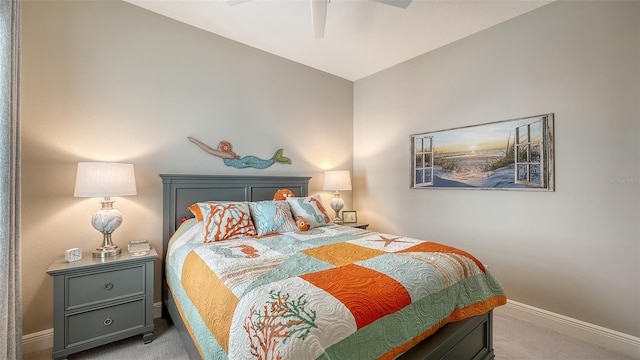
(337, 180)
(103, 179)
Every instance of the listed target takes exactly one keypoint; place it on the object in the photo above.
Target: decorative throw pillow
(224, 221)
(311, 209)
(271, 217)
(200, 215)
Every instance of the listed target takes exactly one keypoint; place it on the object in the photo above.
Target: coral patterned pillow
(224, 221)
(310, 208)
(271, 217)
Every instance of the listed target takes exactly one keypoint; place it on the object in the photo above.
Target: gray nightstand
(96, 301)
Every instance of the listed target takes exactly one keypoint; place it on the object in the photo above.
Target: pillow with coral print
(311, 209)
(271, 217)
(224, 221)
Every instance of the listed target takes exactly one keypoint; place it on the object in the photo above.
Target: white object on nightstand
(72, 255)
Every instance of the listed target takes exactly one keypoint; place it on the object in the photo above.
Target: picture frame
(349, 216)
(516, 154)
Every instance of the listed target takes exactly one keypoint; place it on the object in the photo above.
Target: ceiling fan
(319, 12)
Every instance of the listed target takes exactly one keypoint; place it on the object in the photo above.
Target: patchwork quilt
(333, 292)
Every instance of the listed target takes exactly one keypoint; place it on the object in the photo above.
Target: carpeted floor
(514, 339)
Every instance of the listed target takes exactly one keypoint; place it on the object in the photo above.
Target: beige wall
(573, 251)
(108, 81)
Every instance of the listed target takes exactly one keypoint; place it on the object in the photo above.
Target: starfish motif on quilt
(388, 241)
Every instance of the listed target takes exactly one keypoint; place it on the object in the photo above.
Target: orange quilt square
(342, 253)
(195, 272)
(368, 294)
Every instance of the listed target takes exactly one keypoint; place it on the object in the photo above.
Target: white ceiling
(361, 37)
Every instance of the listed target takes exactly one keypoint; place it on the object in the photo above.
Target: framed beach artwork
(503, 155)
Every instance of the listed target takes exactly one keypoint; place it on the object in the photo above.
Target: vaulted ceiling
(361, 37)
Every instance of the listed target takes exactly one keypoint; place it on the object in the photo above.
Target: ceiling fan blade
(397, 3)
(318, 17)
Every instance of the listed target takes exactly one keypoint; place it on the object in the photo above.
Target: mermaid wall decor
(230, 158)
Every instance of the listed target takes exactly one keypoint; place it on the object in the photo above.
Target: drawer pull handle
(108, 286)
(107, 321)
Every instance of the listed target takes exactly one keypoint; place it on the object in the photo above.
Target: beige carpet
(514, 339)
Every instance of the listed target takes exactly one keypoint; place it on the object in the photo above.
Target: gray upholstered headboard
(180, 191)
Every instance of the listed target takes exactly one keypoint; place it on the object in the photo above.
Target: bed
(449, 328)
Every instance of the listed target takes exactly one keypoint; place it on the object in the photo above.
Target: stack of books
(139, 247)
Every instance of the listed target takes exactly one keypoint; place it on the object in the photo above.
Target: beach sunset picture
(512, 154)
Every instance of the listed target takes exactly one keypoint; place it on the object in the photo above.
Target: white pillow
(311, 209)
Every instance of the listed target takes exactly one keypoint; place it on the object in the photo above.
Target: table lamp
(103, 179)
(337, 180)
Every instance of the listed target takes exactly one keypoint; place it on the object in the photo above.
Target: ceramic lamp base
(337, 204)
(106, 220)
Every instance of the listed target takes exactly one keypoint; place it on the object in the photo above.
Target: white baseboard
(39, 341)
(157, 310)
(611, 339)
(43, 340)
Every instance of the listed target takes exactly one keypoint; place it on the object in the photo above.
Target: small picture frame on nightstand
(349, 216)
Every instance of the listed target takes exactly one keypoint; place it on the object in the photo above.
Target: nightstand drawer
(85, 289)
(92, 325)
